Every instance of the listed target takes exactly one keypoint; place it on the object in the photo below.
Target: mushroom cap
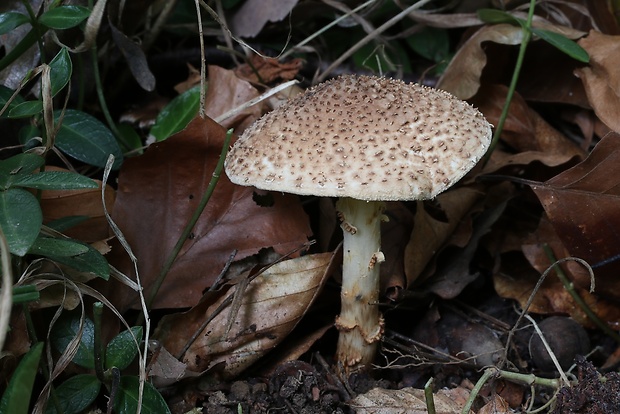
(365, 137)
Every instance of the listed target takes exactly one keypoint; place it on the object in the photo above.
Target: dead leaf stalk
(144, 317)
(6, 294)
(428, 396)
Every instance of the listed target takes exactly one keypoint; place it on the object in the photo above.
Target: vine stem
(527, 35)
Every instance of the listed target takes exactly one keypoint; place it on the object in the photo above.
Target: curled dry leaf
(57, 204)
(272, 304)
(157, 194)
(601, 79)
(409, 401)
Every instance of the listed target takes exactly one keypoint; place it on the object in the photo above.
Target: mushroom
(366, 140)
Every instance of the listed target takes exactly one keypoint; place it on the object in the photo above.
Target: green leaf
(26, 109)
(494, 16)
(50, 247)
(66, 328)
(64, 17)
(11, 20)
(18, 166)
(24, 294)
(563, 44)
(86, 139)
(90, 262)
(55, 180)
(16, 398)
(5, 95)
(127, 398)
(20, 219)
(177, 114)
(64, 223)
(431, 43)
(60, 70)
(29, 136)
(75, 394)
(130, 140)
(122, 349)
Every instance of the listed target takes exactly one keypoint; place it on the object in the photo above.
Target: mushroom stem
(360, 323)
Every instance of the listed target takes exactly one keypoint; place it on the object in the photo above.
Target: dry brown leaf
(193, 79)
(524, 130)
(497, 405)
(57, 204)
(253, 15)
(429, 233)
(452, 273)
(583, 206)
(409, 401)
(462, 76)
(517, 282)
(164, 369)
(601, 79)
(157, 194)
(226, 92)
(272, 304)
(265, 70)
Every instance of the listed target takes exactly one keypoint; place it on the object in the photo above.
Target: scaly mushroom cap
(365, 137)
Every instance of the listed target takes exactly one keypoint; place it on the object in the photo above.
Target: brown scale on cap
(364, 137)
